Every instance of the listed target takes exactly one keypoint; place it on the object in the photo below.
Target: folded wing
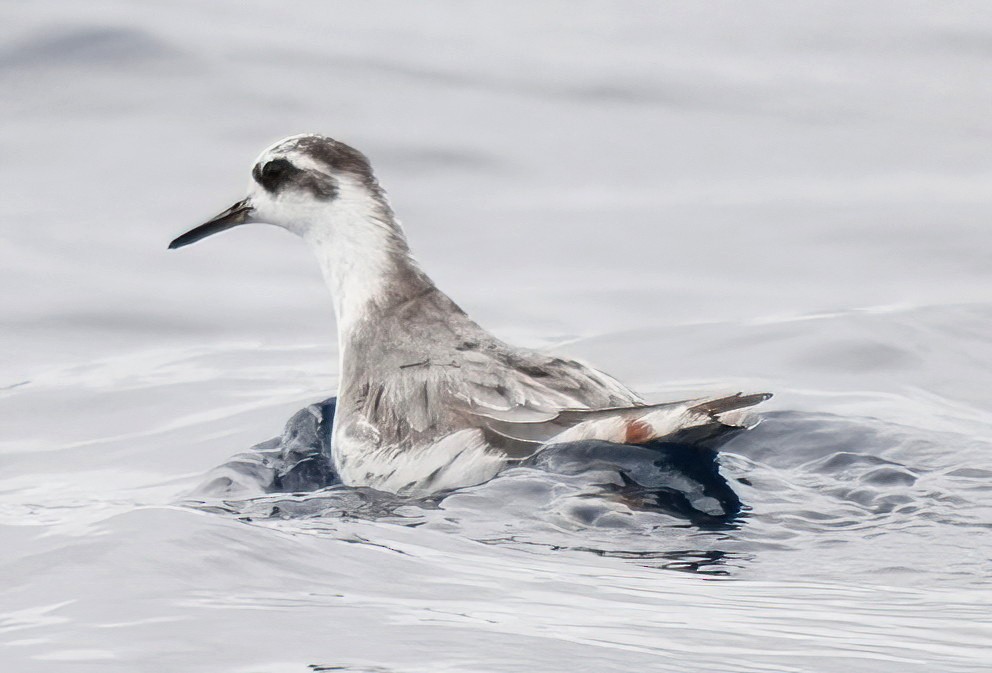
(698, 421)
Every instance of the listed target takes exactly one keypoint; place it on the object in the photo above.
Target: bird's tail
(688, 422)
(698, 421)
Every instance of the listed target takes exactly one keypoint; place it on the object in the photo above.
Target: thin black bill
(232, 217)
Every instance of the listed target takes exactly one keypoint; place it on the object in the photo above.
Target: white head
(325, 192)
(306, 184)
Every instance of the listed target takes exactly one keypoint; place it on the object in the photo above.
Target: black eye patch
(274, 174)
(277, 174)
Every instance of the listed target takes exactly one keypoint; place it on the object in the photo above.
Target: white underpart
(464, 458)
(457, 460)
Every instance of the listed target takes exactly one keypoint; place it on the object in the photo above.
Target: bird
(428, 400)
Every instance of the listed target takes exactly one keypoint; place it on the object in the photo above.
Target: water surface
(696, 199)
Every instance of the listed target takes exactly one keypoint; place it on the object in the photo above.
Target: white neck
(364, 257)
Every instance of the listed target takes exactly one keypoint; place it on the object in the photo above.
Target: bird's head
(301, 182)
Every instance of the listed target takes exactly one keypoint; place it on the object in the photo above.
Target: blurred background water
(695, 197)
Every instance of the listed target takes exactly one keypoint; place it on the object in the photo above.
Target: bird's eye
(273, 174)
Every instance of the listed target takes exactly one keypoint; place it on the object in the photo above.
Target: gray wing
(520, 399)
(528, 386)
(439, 376)
(420, 400)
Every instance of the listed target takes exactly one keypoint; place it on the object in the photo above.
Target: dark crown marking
(279, 174)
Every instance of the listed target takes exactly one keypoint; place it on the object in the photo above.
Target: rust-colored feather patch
(637, 432)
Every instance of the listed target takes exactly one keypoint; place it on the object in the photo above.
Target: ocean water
(697, 198)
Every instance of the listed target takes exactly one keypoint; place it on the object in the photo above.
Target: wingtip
(731, 403)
